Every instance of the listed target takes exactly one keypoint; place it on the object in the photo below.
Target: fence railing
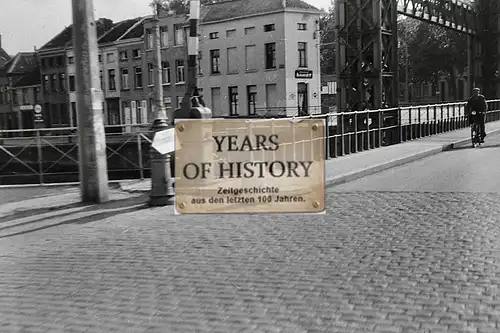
(50, 155)
(356, 131)
(41, 156)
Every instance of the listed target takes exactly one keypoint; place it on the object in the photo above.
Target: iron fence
(42, 156)
(356, 131)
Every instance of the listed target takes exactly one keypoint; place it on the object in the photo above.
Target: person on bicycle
(477, 102)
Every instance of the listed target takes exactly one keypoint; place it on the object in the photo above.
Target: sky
(25, 24)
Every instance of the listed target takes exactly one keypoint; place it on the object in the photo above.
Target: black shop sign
(303, 74)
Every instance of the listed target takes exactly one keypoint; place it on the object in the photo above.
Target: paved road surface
(463, 169)
(413, 260)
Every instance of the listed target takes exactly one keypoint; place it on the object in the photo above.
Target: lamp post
(162, 192)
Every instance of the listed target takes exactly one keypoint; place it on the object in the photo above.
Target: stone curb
(360, 173)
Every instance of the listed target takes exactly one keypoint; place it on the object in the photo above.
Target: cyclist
(477, 102)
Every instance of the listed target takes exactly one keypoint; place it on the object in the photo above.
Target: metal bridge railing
(43, 156)
(50, 155)
(356, 131)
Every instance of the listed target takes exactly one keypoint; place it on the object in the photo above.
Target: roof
(240, 8)
(31, 78)
(136, 31)
(118, 30)
(4, 57)
(21, 63)
(65, 37)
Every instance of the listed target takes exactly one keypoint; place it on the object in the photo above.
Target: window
(100, 57)
(53, 82)
(271, 96)
(233, 101)
(179, 101)
(36, 94)
(270, 55)
(72, 86)
(302, 54)
(167, 101)
(179, 64)
(249, 30)
(16, 94)
(214, 35)
(138, 77)
(124, 80)
(251, 99)
(232, 60)
(112, 79)
(149, 39)
(63, 115)
(269, 27)
(136, 53)
(123, 55)
(250, 58)
(45, 83)
(73, 112)
(71, 60)
(231, 33)
(199, 63)
(179, 35)
(62, 82)
(102, 79)
(26, 96)
(301, 26)
(54, 115)
(164, 36)
(215, 61)
(110, 57)
(165, 66)
(150, 74)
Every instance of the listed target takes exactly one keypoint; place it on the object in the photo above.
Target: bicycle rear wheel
(473, 134)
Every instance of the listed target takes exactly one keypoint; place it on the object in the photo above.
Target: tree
(328, 38)
(175, 6)
(433, 52)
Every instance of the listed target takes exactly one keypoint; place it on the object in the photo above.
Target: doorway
(302, 99)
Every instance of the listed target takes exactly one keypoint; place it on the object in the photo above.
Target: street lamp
(162, 191)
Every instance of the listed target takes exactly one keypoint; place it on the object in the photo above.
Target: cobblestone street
(378, 262)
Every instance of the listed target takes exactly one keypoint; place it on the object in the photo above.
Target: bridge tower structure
(366, 46)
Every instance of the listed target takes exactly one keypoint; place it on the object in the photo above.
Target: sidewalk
(350, 167)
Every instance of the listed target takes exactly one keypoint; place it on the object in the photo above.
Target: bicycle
(474, 130)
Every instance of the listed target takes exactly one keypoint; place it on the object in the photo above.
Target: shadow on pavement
(117, 207)
(21, 213)
(483, 146)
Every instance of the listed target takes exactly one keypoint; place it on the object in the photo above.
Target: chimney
(0, 41)
(283, 2)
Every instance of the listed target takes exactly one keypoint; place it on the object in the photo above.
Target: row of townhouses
(256, 57)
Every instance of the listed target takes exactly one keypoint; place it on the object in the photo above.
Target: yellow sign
(250, 166)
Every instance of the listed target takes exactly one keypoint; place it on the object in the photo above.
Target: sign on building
(303, 74)
(37, 114)
(257, 166)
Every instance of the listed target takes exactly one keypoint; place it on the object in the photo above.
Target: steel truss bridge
(366, 50)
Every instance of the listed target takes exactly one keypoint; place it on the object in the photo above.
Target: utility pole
(93, 166)
(406, 74)
(192, 51)
(162, 192)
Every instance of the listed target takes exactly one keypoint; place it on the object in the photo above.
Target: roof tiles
(118, 30)
(239, 8)
(65, 37)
